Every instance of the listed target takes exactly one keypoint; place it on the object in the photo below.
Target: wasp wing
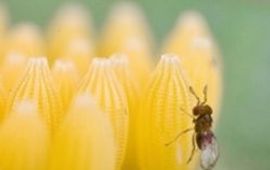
(209, 152)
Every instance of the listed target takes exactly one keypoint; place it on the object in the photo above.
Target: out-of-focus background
(242, 30)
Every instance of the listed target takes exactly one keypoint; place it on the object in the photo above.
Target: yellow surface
(24, 139)
(193, 43)
(163, 116)
(101, 82)
(85, 140)
(109, 113)
(37, 84)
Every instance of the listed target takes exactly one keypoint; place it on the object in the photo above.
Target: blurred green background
(242, 30)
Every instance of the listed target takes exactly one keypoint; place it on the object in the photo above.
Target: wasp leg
(193, 148)
(187, 114)
(180, 134)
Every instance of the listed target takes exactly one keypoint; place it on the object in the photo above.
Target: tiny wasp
(203, 135)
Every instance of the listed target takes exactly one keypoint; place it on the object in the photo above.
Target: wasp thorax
(202, 109)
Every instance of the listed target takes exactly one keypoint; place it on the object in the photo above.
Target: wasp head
(202, 109)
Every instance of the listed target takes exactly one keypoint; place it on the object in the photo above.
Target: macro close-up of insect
(202, 137)
(134, 85)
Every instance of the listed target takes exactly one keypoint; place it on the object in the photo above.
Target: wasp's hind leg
(180, 134)
(193, 148)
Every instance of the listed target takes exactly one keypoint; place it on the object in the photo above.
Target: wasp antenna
(205, 89)
(194, 94)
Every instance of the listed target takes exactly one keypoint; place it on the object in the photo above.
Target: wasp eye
(197, 110)
(208, 109)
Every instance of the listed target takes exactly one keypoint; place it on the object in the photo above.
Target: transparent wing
(209, 153)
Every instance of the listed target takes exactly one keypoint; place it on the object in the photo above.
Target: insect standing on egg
(203, 136)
